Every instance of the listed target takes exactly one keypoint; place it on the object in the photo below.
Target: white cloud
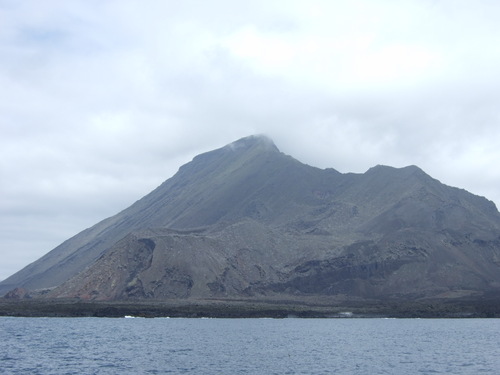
(103, 100)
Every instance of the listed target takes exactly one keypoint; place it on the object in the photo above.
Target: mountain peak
(253, 141)
(247, 220)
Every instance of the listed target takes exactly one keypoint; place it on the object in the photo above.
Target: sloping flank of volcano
(246, 220)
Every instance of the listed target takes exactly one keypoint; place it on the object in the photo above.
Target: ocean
(249, 346)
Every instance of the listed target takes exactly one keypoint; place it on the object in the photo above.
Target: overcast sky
(101, 101)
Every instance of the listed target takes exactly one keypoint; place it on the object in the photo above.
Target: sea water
(249, 346)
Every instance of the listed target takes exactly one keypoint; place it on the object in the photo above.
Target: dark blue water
(249, 346)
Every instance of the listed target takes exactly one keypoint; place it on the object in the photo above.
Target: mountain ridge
(248, 220)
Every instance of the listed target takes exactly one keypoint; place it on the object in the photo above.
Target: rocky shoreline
(488, 308)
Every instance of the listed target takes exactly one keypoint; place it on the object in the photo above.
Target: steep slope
(249, 177)
(247, 220)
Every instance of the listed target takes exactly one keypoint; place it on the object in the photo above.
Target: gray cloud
(103, 100)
